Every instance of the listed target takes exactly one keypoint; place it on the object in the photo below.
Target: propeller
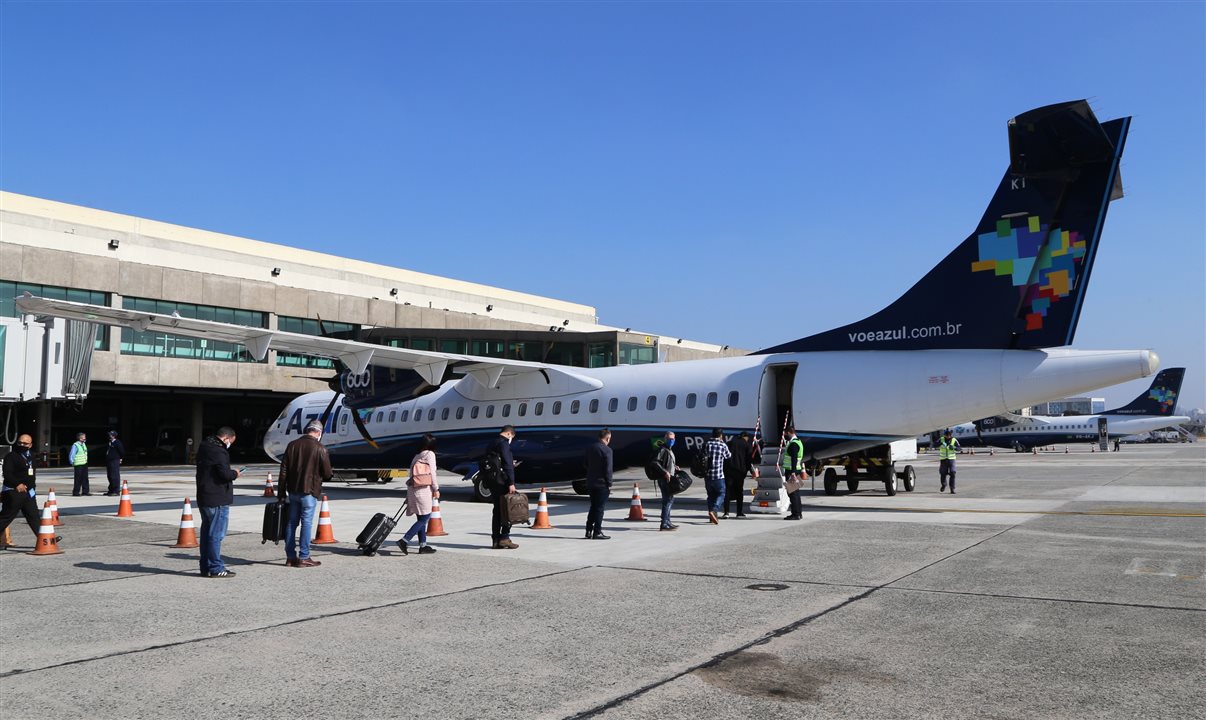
(979, 425)
(333, 383)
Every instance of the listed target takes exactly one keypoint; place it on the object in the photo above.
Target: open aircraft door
(1103, 434)
(774, 401)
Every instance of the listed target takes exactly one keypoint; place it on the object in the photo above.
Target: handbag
(421, 479)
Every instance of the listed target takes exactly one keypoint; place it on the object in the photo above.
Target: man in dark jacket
(304, 468)
(669, 466)
(500, 530)
(598, 482)
(735, 470)
(19, 481)
(215, 495)
(114, 455)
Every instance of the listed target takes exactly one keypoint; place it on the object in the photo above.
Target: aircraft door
(345, 415)
(1103, 434)
(774, 402)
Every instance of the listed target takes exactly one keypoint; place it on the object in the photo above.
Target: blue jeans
(213, 529)
(301, 509)
(667, 503)
(419, 528)
(715, 488)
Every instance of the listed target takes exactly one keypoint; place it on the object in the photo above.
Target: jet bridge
(47, 360)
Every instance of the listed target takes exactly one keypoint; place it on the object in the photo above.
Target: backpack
(490, 469)
(679, 483)
(654, 471)
(701, 464)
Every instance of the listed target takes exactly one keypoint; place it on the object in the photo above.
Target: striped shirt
(717, 452)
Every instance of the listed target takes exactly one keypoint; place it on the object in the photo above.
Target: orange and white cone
(542, 513)
(269, 491)
(435, 523)
(54, 507)
(125, 508)
(635, 511)
(325, 534)
(187, 537)
(8, 536)
(48, 543)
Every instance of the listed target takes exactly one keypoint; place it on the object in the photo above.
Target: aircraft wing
(357, 356)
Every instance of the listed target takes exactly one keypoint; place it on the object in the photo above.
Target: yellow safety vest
(81, 454)
(948, 451)
(785, 459)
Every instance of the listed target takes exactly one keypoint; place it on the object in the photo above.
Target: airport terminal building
(159, 391)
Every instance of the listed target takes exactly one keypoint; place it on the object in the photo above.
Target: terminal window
(308, 326)
(9, 291)
(136, 342)
(633, 354)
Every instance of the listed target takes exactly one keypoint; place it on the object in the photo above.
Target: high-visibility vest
(947, 451)
(81, 454)
(785, 459)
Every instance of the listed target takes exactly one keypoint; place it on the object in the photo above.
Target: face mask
(670, 442)
(226, 443)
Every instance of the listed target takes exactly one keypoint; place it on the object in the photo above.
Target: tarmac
(1051, 586)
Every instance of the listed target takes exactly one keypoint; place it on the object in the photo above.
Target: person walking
(114, 456)
(792, 464)
(598, 483)
(17, 496)
(421, 487)
(735, 470)
(948, 448)
(503, 481)
(666, 461)
(305, 466)
(716, 453)
(77, 456)
(215, 495)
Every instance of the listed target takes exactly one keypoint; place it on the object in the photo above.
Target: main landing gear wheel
(851, 484)
(890, 480)
(910, 478)
(580, 487)
(831, 481)
(482, 493)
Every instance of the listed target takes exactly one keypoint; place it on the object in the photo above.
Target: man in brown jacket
(305, 467)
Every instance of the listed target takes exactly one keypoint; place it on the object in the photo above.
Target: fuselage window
(594, 406)
(431, 415)
(460, 413)
(690, 400)
(391, 416)
(473, 411)
(405, 416)
(507, 410)
(734, 396)
(651, 402)
(632, 403)
(557, 408)
(444, 414)
(381, 416)
(489, 411)
(418, 414)
(671, 401)
(523, 409)
(711, 399)
(613, 404)
(539, 409)
(575, 406)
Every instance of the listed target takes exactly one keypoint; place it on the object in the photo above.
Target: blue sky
(739, 173)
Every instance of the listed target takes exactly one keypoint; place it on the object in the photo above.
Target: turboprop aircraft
(1150, 411)
(977, 335)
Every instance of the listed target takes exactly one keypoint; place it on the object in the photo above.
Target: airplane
(1150, 411)
(981, 332)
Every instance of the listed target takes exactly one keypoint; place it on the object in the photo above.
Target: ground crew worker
(113, 459)
(948, 448)
(792, 464)
(17, 496)
(78, 457)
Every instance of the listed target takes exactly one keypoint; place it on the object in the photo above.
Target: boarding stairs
(770, 497)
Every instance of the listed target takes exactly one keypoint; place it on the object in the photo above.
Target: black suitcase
(379, 527)
(275, 516)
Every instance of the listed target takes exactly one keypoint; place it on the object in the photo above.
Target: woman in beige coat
(420, 489)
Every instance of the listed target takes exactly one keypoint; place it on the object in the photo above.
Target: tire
(580, 487)
(482, 493)
(909, 476)
(890, 483)
(831, 481)
(851, 484)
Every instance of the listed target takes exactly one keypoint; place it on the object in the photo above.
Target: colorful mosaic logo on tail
(1018, 247)
(1165, 396)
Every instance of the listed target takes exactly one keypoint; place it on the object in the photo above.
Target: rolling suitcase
(516, 506)
(275, 516)
(379, 527)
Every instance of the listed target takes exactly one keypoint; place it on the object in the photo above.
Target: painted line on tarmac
(1119, 513)
(274, 626)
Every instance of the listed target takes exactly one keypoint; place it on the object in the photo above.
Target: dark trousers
(594, 517)
(797, 505)
(946, 467)
(13, 502)
(81, 480)
(113, 470)
(734, 492)
(499, 530)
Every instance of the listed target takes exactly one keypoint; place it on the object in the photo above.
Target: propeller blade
(364, 433)
(327, 413)
(979, 430)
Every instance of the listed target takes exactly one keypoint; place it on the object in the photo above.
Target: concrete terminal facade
(160, 391)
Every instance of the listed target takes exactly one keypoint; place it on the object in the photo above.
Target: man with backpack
(666, 465)
(735, 470)
(716, 453)
(501, 466)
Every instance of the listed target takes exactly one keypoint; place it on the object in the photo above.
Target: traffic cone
(635, 511)
(48, 543)
(435, 523)
(326, 533)
(125, 508)
(542, 513)
(54, 507)
(269, 491)
(187, 537)
(8, 536)
(1065, 449)
(992, 451)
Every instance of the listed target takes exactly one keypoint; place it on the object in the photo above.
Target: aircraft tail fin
(1019, 280)
(1159, 399)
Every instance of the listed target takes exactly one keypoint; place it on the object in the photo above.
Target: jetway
(45, 360)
